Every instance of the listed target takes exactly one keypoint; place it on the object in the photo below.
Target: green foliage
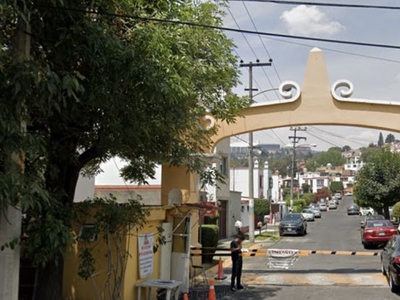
(378, 182)
(311, 164)
(308, 197)
(336, 186)
(209, 238)
(98, 86)
(211, 220)
(346, 148)
(113, 223)
(261, 207)
(380, 140)
(390, 138)
(298, 205)
(285, 193)
(281, 164)
(368, 153)
(333, 156)
(305, 188)
(396, 210)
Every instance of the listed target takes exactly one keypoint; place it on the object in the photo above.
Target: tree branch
(88, 156)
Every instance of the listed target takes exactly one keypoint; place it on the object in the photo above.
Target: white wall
(84, 188)
(234, 214)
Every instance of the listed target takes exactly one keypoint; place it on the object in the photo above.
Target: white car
(323, 207)
(348, 194)
(332, 205)
(366, 211)
(308, 214)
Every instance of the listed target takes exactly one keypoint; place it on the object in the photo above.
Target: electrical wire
(229, 29)
(354, 140)
(334, 50)
(329, 4)
(262, 43)
(251, 48)
(324, 140)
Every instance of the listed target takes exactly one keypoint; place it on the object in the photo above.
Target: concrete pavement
(318, 276)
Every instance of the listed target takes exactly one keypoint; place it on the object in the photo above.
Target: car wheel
(366, 245)
(369, 214)
(383, 268)
(393, 287)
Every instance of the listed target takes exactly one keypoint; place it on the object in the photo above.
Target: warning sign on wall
(146, 256)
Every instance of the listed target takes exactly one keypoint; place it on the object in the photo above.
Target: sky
(372, 78)
(375, 78)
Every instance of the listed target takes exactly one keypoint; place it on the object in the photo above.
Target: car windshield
(377, 217)
(322, 204)
(291, 217)
(353, 207)
(307, 211)
(379, 224)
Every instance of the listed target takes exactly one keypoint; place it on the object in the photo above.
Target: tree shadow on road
(253, 293)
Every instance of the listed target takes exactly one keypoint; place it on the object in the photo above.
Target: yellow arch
(317, 103)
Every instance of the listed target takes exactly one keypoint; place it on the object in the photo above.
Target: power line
(324, 140)
(194, 24)
(251, 48)
(354, 140)
(335, 50)
(324, 4)
(262, 41)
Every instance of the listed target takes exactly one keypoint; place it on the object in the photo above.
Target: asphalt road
(317, 277)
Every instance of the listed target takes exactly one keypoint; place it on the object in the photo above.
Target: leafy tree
(380, 140)
(372, 145)
(311, 164)
(368, 153)
(322, 194)
(396, 210)
(390, 138)
(346, 148)
(332, 156)
(378, 182)
(97, 86)
(261, 207)
(305, 188)
(283, 165)
(336, 186)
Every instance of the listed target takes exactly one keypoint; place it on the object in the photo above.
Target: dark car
(353, 210)
(371, 218)
(293, 224)
(377, 232)
(390, 260)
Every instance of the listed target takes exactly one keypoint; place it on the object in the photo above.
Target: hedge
(209, 238)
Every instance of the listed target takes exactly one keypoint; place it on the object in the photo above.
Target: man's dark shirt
(235, 255)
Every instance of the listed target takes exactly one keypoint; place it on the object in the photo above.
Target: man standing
(237, 262)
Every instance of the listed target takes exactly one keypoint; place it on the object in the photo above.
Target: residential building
(353, 160)
(315, 180)
(240, 150)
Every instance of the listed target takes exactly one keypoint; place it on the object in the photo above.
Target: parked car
(348, 194)
(308, 214)
(366, 211)
(371, 218)
(353, 210)
(390, 263)
(293, 223)
(336, 200)
(317, 212)
(377, 232)
(332, 205)
(338, 196)
(323, 207)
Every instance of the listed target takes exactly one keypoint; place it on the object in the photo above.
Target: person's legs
(239, 274)
(234, 273)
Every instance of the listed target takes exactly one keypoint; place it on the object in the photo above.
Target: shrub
(211, 220)
(336, 186)
(297, 204)
(309, 197)
(396, 210)
(209, 238)
(261, 207)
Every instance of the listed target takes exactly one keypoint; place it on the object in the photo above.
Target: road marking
(319, 279)
(341, 279)
(314, 279)
(298, 279)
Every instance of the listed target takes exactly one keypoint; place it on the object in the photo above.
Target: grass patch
(269, 236)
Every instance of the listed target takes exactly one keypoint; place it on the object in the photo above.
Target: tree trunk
(386, 212)
(50, 281)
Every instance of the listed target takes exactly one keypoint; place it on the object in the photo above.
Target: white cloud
(309, 21)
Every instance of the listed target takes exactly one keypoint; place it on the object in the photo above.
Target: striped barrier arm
(263, 252)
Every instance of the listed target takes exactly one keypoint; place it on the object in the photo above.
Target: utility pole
(251, 65)
(295, 139)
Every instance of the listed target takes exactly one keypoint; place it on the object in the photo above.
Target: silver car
(308, 214)
(317, 212)
(323, 207)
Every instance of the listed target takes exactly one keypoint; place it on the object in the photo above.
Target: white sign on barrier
(281, 258)
(146, 255)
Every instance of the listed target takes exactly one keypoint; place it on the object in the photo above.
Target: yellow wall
(75, 288)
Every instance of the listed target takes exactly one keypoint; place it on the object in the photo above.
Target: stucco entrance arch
(315, 103)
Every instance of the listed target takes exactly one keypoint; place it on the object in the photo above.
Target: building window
(87, 233)
(224, 166)
(320, 182)
(261, 183)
